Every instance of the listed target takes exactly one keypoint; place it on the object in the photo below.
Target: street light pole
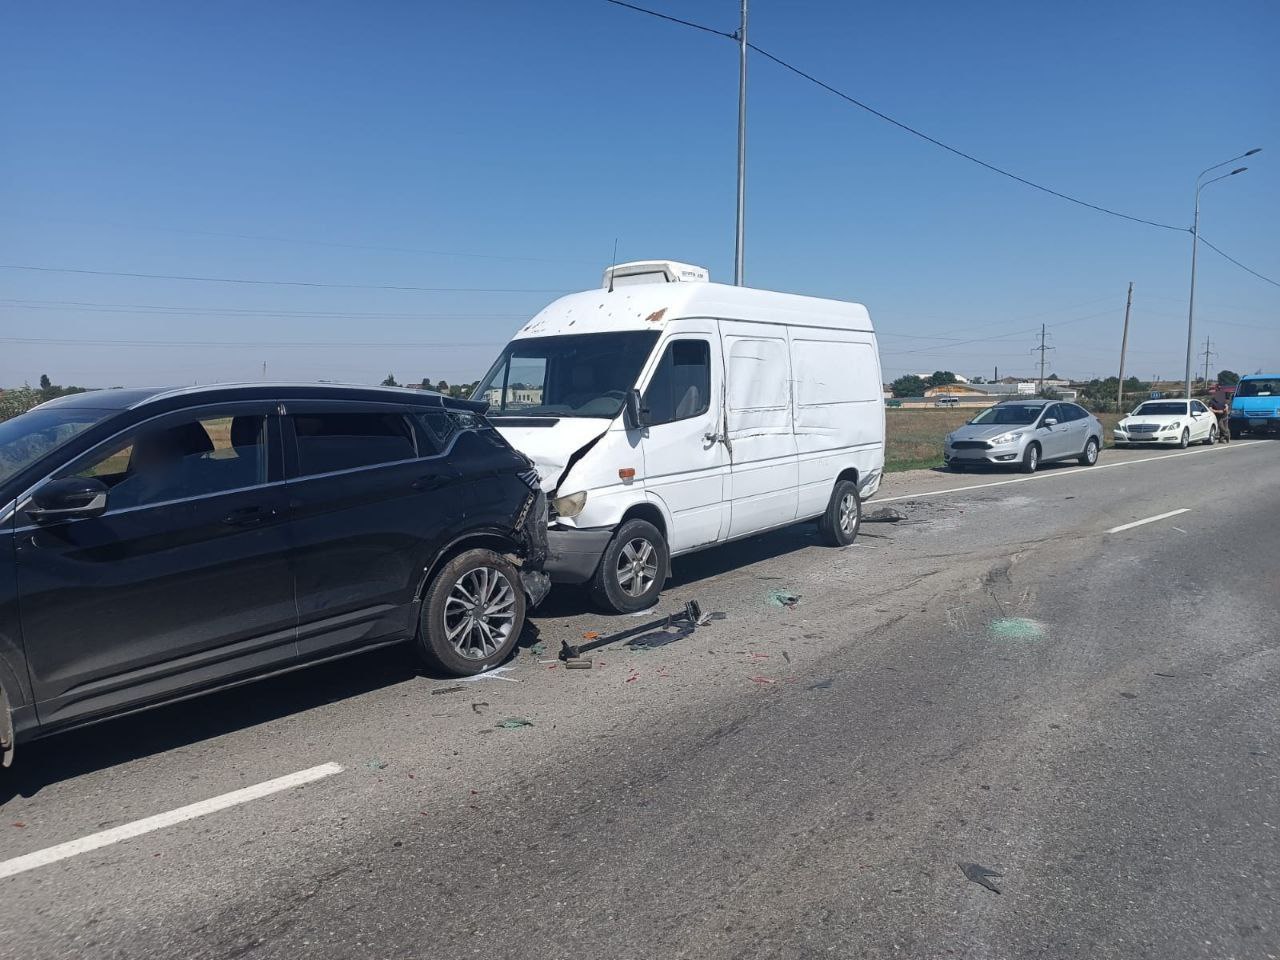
(1195, 243)
(742, 145)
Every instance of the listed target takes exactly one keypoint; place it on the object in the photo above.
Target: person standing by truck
(1222, 411)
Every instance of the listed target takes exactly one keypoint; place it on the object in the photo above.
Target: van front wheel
(633, 569)
(839, 525)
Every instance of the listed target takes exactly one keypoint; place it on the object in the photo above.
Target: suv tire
(472, 614)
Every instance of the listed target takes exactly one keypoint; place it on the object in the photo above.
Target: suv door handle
(248, 516)
(432, 481)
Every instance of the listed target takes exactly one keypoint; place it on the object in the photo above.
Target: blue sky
(504, 146)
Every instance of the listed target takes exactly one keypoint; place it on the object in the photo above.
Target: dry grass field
(914, 436)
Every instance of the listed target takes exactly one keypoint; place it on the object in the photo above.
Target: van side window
(681, 385)
(181, 460)
(344, 441)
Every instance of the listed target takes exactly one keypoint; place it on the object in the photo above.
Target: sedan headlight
(1172, 426)
(570, 506)
(1005, 438)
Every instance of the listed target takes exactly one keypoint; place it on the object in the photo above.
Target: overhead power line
(880, 114)
(275, 283)
(899, 124)
(1238, 263)
(146, 309)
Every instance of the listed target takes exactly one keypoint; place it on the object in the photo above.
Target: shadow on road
(65, 756)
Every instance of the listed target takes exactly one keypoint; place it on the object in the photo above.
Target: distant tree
(1228, 378)
(442, 387)
(45, 382)
(426, 383)
(940, 377)
(390, 381)
(1048, 393)
(977, 380)
(909, 386)
(18, 401)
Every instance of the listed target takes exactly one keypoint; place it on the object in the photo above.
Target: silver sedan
(1025, 434)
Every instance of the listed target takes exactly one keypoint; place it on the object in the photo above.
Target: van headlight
(570, 506)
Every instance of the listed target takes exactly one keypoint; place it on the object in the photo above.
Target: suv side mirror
(68, 499)
(635, 414)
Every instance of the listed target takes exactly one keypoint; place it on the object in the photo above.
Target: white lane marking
(128, 831)
(1235, 444)
(1158, 516)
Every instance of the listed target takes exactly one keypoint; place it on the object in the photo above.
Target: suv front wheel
(472, 614)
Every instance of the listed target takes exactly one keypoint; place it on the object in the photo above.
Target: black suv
(159, 543)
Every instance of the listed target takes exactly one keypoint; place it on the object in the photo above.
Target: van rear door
(762, 445)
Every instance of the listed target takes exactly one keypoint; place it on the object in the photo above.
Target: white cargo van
(666, 413)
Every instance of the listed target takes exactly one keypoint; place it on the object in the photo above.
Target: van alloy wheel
(849, 513)
(479, 613)
(637, 567)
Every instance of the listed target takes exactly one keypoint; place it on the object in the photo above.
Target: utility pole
(1124, 345)
(1207, 354)
(738, 279)
(264, 369)
(1042, 348)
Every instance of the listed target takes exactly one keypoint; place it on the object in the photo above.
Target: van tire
(839, 525)
(638, 549)
(467, 574)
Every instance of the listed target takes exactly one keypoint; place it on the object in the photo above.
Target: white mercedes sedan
(1167, 423)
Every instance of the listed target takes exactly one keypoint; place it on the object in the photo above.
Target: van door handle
(712, 437)
(248, 516)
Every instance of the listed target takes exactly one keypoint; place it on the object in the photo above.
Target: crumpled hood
(551, 447)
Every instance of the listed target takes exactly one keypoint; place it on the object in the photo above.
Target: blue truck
(1256, 406)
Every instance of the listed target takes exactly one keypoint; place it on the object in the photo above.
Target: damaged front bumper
(531, 533)
(573, 554)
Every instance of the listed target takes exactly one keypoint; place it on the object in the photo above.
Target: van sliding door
(763, 477)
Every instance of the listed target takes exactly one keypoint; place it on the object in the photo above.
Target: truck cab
(1255, 408)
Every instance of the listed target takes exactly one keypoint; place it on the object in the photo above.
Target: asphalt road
(998, 681)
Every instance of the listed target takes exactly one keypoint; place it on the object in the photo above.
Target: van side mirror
(635, 414)
(67, 499)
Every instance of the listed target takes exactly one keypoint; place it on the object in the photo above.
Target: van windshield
(1259, 388)
(580, 375)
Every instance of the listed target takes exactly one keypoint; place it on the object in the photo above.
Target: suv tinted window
(444, 424)
(681, 386)
(180, 460)
(344, 441)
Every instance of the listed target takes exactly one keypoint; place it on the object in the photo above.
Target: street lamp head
(1253, 151)
(1237, 170)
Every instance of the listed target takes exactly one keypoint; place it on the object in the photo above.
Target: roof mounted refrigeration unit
(653, 271)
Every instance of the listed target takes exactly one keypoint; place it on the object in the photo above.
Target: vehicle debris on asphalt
(453, 689)
(655, 633)
(783, 598)
(884, 515)
(513, 723)
(979, 874)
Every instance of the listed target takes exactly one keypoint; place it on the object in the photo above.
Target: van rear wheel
(838, 527)
(633, 569)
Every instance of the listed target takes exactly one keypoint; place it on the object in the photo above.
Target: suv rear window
(328, 442)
